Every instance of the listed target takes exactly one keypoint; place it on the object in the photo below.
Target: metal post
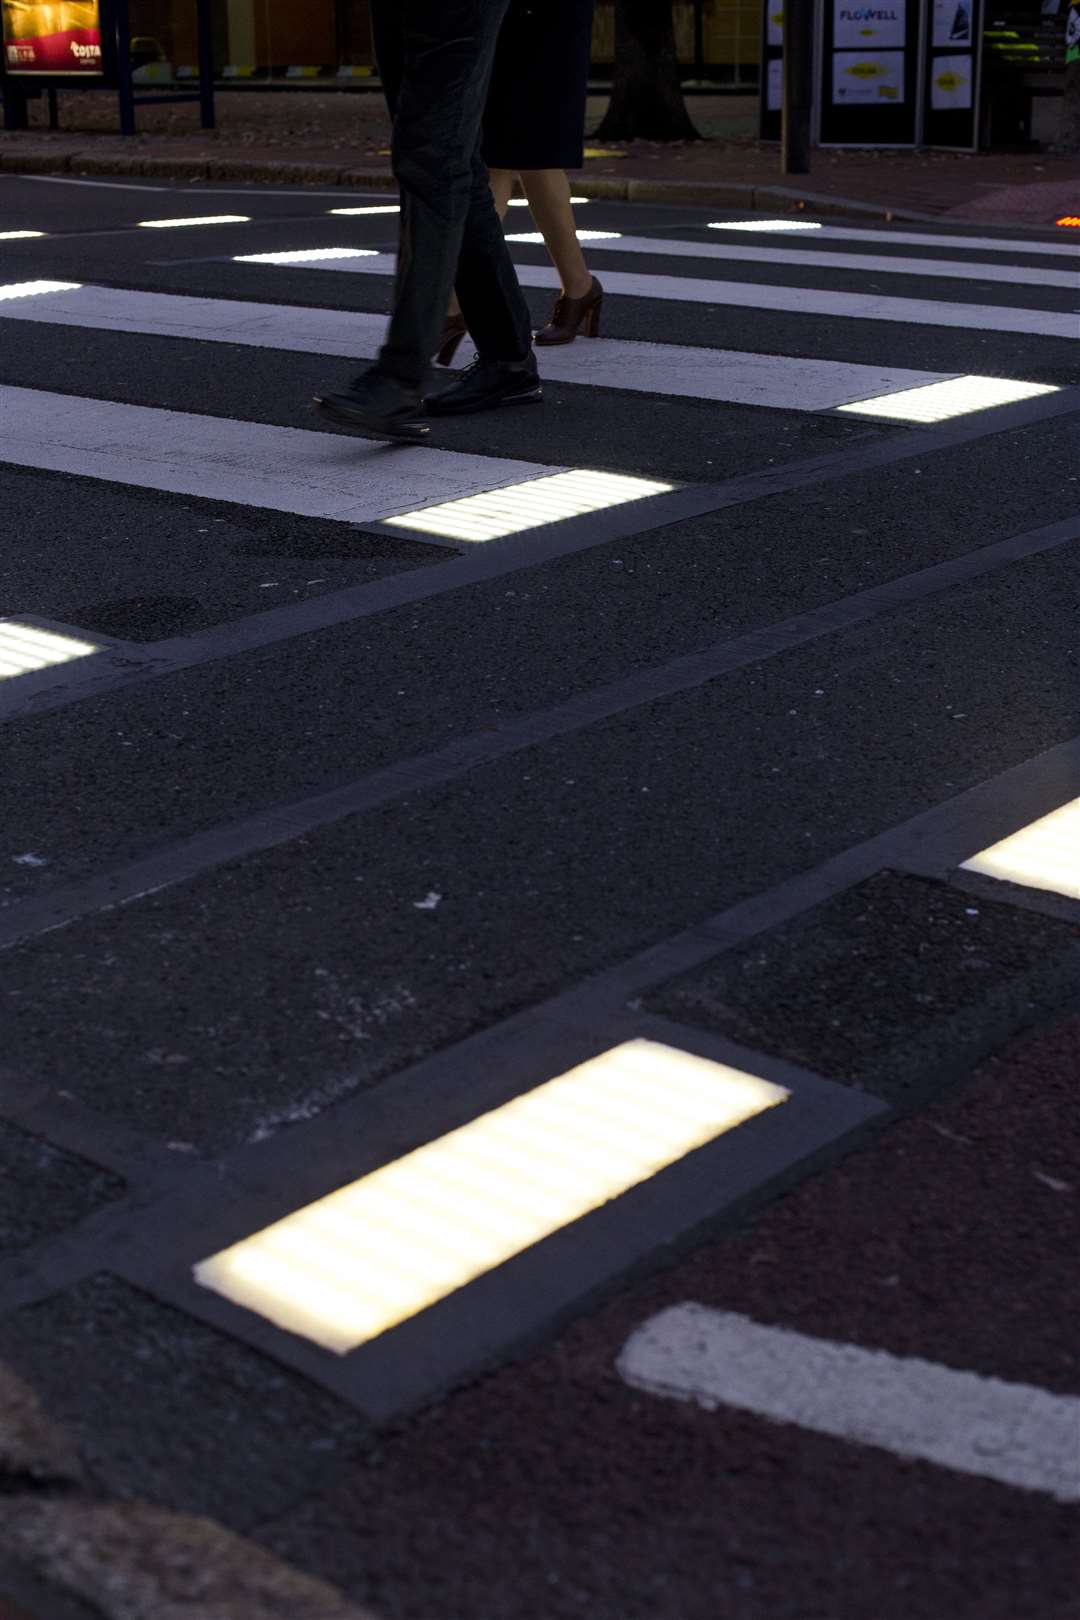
(125, 88)
(798, 86)
(205, 23)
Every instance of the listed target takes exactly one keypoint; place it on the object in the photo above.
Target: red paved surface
(550, 1489)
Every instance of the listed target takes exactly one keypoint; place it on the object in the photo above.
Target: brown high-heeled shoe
(572, 316)
(453, 332)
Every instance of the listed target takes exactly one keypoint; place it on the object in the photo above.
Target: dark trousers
(435, 59)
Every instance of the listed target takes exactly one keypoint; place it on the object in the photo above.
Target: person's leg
(502, 187)
(448, 216)
(548, 194)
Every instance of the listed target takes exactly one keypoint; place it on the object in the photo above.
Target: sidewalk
(341, 139)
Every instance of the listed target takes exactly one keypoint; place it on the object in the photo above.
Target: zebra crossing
(305, 472)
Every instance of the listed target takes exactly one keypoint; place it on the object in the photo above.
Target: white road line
(1013, 275)
(779, 381)
(788, 300)
(1013, 1433)
(324, 475)
(973, 244)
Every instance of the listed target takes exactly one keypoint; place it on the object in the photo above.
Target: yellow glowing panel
(380, 208)
(207, 219)
(356, 1263)
(526, 506)
(305, 255)
(957, 396)
(1044, 855)
(765, 225)
(31, 289)
(18, 236)
(24, 648)
(582, 236)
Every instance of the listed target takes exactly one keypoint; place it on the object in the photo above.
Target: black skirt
(535, 114)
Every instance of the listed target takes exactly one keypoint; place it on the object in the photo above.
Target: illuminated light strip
(516, 507)
(378, 208)
(371, 1255)
(1069, 219)
(523, 202)
(582, 236)
(958, 396)
(34, 289)
(19, 236)
(208, 219)
(306, 256)
(1024, 247)
(24, 648)
(765, 225)
(1043, 855)
(1016, 1434)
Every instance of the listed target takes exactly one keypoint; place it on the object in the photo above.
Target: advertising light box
(53, 38)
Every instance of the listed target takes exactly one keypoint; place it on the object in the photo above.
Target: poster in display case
(52, 38)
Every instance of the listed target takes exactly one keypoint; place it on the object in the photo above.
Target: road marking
(196, 219)
(1043, 855)
(1013, 275)
(347, 1268)
(517, 507)
(973, 244)
(1013, 1433)
(26, 647)
(326, 475)
(782, 382)
(786, 300)
(942, 401)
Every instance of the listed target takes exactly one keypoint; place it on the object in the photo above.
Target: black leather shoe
(377, 405)
(487, 383)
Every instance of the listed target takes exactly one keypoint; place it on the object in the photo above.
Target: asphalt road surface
(352, 795)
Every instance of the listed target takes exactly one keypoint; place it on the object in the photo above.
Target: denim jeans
(435, 58)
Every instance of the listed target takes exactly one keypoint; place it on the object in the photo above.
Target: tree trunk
(1069, 127)
(646, 95)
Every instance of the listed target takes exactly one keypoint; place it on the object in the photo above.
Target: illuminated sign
(52, 37)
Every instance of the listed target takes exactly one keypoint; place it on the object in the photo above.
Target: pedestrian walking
(534, 125)
(435, 58)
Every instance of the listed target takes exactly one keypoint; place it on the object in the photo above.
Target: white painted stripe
(779, 381)
(1013, 1433)
(788, 300)
(972, 244)
(1012, 275)
(325, 475)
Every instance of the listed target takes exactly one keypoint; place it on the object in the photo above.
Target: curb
(690, 193)
(68, 1554)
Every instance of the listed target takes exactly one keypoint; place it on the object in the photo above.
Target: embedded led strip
(208, 219)
(18, 236)
(24, 648)
(305, 255)
(523, 202)
(582, 236)
(956, 396)
(765, 225)
(1043, 855)
(380, 208)
(527, 505)
(33, 289)
(371, 1255)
